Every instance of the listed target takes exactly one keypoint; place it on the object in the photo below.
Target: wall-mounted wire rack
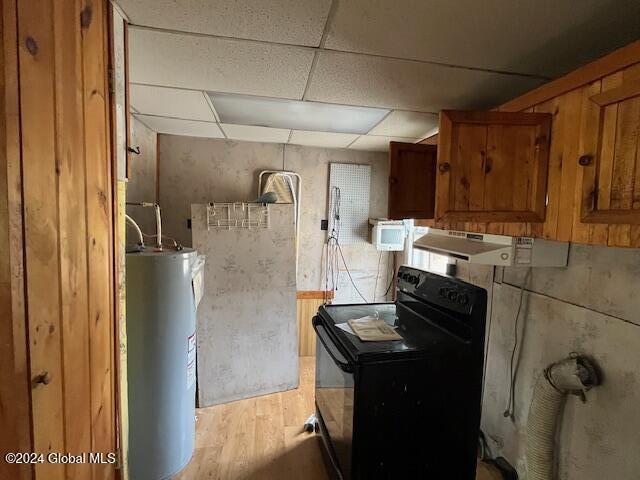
(237, 215)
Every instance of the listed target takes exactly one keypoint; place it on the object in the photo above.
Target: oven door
(334, 398)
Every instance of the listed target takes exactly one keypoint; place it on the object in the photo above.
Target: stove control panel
(446, 292)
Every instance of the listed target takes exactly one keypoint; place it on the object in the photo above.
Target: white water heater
(162, 293)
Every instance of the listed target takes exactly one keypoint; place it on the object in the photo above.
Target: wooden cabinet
(492, 166)
(591, 193)
(412, 175)
(611, 161)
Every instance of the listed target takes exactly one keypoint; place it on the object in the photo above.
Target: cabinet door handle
(585, 160)
(444, 167)
(393, 181)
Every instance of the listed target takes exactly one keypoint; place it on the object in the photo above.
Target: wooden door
(492, 166)
(412, 176)
(611, 162)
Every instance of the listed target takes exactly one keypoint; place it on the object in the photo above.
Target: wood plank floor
(259, 438)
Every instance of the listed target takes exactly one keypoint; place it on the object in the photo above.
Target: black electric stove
(410, 408)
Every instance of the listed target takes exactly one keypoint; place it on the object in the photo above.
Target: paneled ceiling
(412, 57)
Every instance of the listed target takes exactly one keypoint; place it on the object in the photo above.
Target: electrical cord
(375, 286)
(349, 273)
(331, 266)
(336, 212)
(333, 245)
(393, 275)
(509, 412)
(325, 294)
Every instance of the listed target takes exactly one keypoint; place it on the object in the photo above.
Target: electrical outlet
(324, 224)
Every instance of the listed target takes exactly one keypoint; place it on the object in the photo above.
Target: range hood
(489, 249)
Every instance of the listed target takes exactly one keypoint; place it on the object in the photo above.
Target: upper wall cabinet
(412, 176)
(492, 166)
(611, 180)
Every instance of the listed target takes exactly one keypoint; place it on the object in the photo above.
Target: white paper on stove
(346, 327)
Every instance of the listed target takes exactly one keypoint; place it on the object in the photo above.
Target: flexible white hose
(572, 375)
(158, 226)
(158, 220)
(541, 430)
(137, 229)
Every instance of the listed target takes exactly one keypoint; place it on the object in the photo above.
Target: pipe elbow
(573, 375)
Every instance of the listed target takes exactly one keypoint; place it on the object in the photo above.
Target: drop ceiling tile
(322, 139)
(222, 65)
(406, 124)
(255, 134)
(408, 85)
(176, 126)
(170, 102)
(543, 37)
(296, 22)
(378, 143)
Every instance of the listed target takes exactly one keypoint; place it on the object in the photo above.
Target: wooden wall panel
(56, 218)
(14, 374)
(69, 131)
(568, 107)
(307, 305)
(99, 190)
(42, 260)
(306, 309)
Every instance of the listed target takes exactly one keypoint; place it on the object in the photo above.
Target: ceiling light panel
(176, 126)
(295, 114)
(255, 134)
(171, 102)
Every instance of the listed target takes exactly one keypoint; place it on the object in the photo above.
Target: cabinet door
(412, 177)
(492, 166)
(611, 180)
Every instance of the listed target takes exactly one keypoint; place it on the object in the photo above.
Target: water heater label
(191, 360)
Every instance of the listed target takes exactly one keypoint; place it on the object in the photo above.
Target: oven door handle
(331, 348)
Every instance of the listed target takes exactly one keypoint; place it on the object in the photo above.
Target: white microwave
(388, 235)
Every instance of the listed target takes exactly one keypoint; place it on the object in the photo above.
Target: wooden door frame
(119, 210)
